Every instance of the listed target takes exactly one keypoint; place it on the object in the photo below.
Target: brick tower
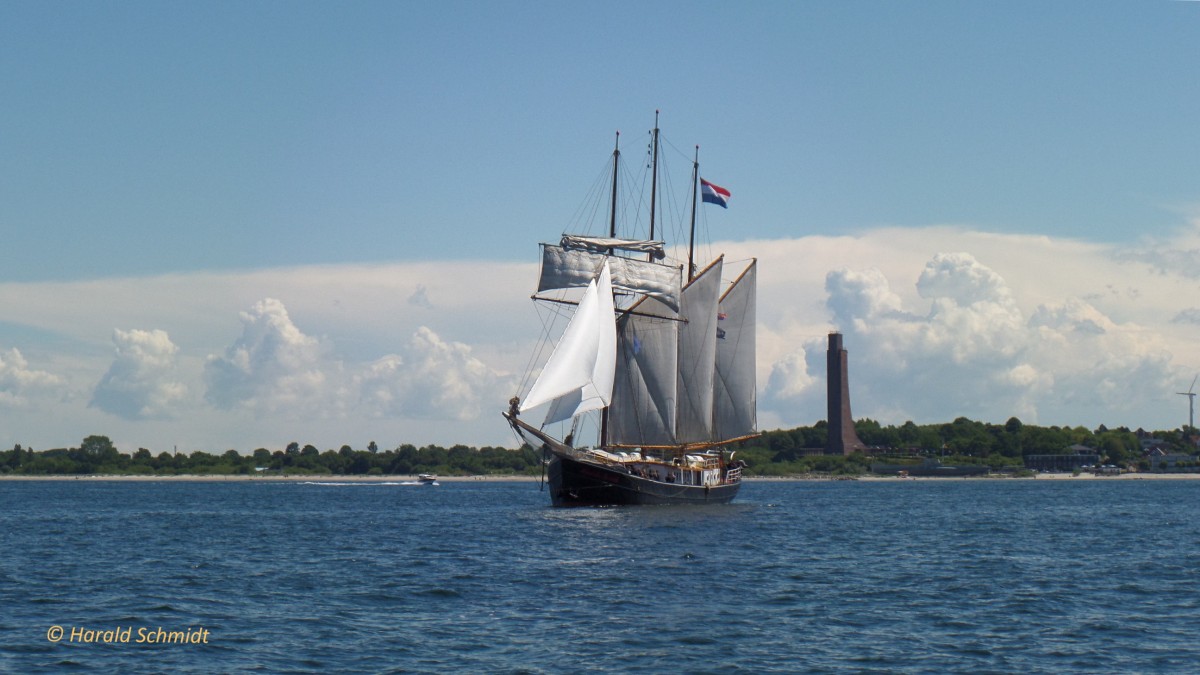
(842, 438)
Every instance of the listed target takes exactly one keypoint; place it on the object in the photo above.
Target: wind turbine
(1191, 402)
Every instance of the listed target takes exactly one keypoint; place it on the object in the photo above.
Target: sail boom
(686, 447)
(631, 312)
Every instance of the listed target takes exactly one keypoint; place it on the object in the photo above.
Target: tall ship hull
(573, 482)
(657, 361)
(595, 477)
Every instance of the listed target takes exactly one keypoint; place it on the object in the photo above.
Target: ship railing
(703, 462)
(601, 456)
(733, 475)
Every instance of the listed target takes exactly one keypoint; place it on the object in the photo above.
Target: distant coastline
(297, 478)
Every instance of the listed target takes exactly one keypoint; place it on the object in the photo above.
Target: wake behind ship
(662, 354)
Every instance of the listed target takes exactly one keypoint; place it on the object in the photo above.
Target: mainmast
(612, 223)
(692, 238)
(653, 179)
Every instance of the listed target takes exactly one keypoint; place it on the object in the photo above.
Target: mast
(612, 223)
(653, 178)
(692, 238)
(612, 233)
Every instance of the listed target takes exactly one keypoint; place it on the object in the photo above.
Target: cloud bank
(1059, 346)
(972, 352)
(940, 322)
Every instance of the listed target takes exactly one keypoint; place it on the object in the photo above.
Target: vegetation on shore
(775, 453)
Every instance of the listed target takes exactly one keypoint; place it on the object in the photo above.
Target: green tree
(99, 448)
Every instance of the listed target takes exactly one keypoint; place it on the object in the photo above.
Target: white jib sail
(579, 375)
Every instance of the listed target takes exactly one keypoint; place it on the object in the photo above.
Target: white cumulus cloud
(789, 376)
(973, 352)
(432, 379)
(142, 381)
(19, 384)
(272, 367)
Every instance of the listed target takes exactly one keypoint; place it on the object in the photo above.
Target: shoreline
(247, 478)
(296, 478)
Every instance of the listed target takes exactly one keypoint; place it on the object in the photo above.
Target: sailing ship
(662, 352)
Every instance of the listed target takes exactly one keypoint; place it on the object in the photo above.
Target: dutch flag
(714, 194)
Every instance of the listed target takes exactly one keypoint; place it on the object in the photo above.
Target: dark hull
(576, 483)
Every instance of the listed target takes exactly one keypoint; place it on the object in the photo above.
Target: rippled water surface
(918, 576)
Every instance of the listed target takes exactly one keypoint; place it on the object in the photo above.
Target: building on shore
(1075, 457)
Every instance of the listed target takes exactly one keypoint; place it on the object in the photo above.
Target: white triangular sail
(579, 375)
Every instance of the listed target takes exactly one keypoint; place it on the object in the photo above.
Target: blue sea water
(919, 576)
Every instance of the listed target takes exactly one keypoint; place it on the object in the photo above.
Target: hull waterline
(577, 483)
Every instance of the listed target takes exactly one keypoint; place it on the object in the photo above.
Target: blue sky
(252, 146)
(152, 137)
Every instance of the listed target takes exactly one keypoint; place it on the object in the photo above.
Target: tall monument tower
(842, 438)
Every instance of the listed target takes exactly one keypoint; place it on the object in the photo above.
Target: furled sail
(697, 356)
(579, 375)
(644, 393)
(606, 244)
(575, 268)
(734, 396)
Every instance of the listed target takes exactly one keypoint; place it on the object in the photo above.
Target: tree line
(775, 453)
(963, 441)
(98, 455)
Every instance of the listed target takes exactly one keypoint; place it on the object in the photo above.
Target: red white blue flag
(714, 194)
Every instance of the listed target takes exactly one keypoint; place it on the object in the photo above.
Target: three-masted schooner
(662, 353)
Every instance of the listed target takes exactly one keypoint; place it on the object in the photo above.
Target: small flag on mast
(714, 194)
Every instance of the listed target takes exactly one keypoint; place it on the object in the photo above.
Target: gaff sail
(697, 356)
(644, 396)
(734, 402)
